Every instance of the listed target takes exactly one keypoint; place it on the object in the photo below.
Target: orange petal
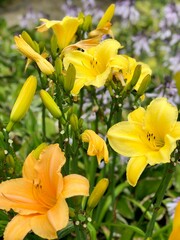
(48, 168)
(28, 167)
(75, 185)
(59, 214)
(17, 194)
(41, 226)
(17, 228)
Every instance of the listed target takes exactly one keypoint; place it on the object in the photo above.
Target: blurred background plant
(150, 32)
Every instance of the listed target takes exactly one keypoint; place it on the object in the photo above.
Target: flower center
(155, 142)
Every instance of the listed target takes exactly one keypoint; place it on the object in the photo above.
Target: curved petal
(135, 167)
(163, 155)
(48, 168)
(79, 83)
(41, 226)
(17, 228)
(137, 115)
(28, 170)
(125, 138)
(176, 224)
(176, 131)
(58, 215)
(75, 185)
(17, 194)
(160, 117)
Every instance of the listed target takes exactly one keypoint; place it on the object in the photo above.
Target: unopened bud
(58, 66)
(87, 24)
(36, 152)
(29, 40)
(107, 16)
(142, 88)
(70, 78)
(23, 101)
(50, 104)
(97, 193)
(10, 161)
(74, 122)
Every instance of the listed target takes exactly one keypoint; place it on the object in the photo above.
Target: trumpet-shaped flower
(148, 137)
(97, 146)
(45, 66)
(176, 224)
(93, 65)
(39, 196)
(64, 30)
(125, 66)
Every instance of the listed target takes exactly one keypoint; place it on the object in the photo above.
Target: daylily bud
(74, 122)
(70, 78)
(29, 40)
(50, 104)
(107, 16)
(2, 155)
(58, 66)
(97, 193)
(145, 82)
(134, 80)
(10, 160)
(36, 152)
(23, 101)
(177, 80)
(54, 46)
(87, 23)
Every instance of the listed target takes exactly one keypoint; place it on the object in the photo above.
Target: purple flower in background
(141, 44)
(174, 63)
(171, 15)
(127, 11)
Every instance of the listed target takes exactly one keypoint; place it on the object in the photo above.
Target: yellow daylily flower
(176, 224)
(93, 65)
(126, 65)
(97, 146)
(64, 30)
(45, 66)
(39, 196)
(148, 137)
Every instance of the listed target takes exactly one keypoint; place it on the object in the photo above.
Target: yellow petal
(97, 146)
(17, 228)
(17, 194)
(45, 66)
(135, 167)
(48, 168)
(137, 115)
(107, 16)
(41, 226)
(174, 234)
(163, 155)
(176, 131)
(58, 215)
(75, 185)
(160, 117)
(125, 138)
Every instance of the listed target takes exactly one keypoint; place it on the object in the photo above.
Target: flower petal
(17, 228)
(137, 115)
(176, 224)
(41, 226)
(135, 167)
(75, 185)
(163, 155)
(58, 215)
(176, 131)
(48, 168)
(125, 138)
(160, 117)
(28, 167)
(17, 194)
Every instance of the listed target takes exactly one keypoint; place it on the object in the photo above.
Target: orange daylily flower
(97, 146)
(39, 196)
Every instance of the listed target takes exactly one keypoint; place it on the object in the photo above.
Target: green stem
(159, 197)
(43, 123)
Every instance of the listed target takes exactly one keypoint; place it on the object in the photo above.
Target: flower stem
(169, 170)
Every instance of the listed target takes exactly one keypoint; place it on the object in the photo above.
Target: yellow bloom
(125, 66)
(148, 137)
(176, 224)
(97, 146)
(64, 30)
(93, 65)
(39, 196)
(45, 66)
